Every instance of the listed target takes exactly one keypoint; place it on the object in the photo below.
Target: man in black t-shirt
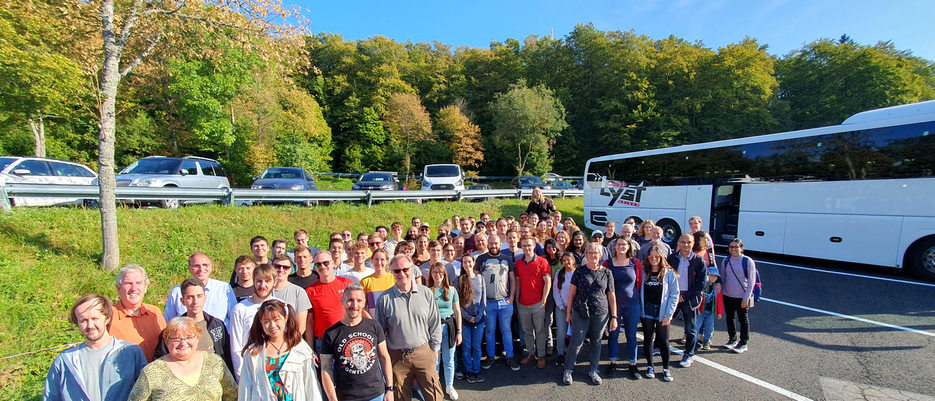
(349, 352)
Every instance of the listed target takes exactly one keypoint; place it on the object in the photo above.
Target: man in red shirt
(533, 277)
(325, 295)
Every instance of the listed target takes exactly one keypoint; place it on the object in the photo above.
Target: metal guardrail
(235, 196)
(419, 176)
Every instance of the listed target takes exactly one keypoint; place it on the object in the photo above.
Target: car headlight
(298, 187)
(459, 183)
(386, 186)
(355, 186)
(254, 186)
(142, 182)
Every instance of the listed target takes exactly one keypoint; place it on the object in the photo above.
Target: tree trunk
(37, 125)
(106, 178)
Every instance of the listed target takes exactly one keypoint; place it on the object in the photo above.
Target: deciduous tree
(408, 122)
(461, 136)
(527, 120)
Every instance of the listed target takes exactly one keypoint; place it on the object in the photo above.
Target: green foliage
(526, 121)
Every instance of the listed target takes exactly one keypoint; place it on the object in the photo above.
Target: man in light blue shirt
(219, 297)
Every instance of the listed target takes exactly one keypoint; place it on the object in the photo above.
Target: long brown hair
(444, 283)
(663, 264)
(465, 289)
(258, 337)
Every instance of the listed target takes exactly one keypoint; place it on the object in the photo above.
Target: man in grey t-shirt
(100, 368)
(290, 293)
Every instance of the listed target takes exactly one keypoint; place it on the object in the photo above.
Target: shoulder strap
(735, 273)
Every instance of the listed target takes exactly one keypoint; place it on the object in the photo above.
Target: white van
(442, 176)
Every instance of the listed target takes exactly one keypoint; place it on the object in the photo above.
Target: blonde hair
(181, 324)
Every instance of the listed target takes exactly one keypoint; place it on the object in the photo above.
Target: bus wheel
(921, 259)
(670, 232)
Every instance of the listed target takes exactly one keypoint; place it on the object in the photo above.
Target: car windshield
(282, 172)
(442, 171)
(376, 177)
(152, 166)
(5, 162)
(477, 187)
(530, 180)
(561, 184)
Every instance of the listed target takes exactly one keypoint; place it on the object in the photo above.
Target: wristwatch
(391, 388)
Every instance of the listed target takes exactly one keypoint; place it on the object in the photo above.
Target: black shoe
(487, 363)
(612, 370)
(560, 360)
(634, 372)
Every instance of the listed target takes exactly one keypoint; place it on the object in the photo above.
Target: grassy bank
(48, 258)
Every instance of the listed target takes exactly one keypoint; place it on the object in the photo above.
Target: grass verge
(49, 258)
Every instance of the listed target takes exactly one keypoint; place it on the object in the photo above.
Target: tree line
(324, 103)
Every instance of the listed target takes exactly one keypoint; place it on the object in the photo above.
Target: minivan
(442, 177)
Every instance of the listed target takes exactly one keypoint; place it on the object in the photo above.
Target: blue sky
(784, 25)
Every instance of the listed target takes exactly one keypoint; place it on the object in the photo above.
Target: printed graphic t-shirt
(357, 373)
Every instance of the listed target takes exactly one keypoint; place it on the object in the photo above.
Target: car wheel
(310, 203)
(91, 203)
(921, 259)
(169, 203)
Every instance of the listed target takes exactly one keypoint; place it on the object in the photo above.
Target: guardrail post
(230, 198)
(5, 201)
(563, 194)
(459, 196)
(519, 194)
(369, 199)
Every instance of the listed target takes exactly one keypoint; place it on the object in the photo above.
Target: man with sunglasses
(409, 315)
(325, 296)
(290, 293)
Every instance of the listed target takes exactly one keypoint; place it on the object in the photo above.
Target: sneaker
(511, 362)
(541, 363)
(459, 375)
(612, 369)
(731, 344)
(487, 363)
(706, 346)
(471, 378)
(656, 352)
(479, 377)
(452, 393)
(666, 375)
(650, 373)
(560, 360)
(635, 373)
(527, 359)
(687, 361)
(740, 349)
(595, 378)
(566, 378)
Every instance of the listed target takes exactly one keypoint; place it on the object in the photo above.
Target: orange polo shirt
(142, 329)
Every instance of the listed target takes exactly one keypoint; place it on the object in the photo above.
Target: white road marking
(859, 319)
(740, 375)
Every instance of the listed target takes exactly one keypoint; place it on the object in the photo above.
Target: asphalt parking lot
(817, 334)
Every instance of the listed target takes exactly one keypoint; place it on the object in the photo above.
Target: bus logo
(628, 196)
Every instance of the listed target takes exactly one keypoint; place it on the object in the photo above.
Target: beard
(94, 336)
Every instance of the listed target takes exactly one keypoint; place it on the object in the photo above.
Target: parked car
(562, 185)
(549, 177)
(376, 181)
(40, 170)
(478, 187)
(528, 182)
(442, 177)
(165, 172)
(288, 179)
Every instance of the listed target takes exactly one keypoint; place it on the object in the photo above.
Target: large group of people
(382, 316)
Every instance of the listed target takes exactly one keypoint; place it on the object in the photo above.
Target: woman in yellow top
(185, 373)
(378, 282)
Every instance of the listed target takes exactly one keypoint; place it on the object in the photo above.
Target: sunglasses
(282, 267)
(323, 264)
(403, 270)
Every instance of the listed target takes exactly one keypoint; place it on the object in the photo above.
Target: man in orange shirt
(134, 321)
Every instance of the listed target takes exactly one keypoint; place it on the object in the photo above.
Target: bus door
(725, 213)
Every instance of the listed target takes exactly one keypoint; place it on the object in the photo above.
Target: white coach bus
(862, 191)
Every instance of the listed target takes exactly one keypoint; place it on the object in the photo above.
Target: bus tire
(670, 232)
(921, 258)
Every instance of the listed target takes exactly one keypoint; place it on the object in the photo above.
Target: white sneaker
(731, 344)
(595, 378)
(686, 361)
(452, 393)
(567, 377)
(740, 349)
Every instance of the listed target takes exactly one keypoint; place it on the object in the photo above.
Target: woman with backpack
(738, 278)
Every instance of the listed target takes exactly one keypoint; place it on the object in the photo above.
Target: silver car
(39, 170)
(165, 172)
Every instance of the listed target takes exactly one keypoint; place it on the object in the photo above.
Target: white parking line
(892, 280)
(859, 319)
(740, 375)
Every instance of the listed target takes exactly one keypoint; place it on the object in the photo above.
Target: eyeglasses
(734, 247)
(403, 270)
(177, 340)
(326, 263)
(282, 267)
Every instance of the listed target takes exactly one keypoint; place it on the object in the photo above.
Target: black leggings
(732, 306)
(654, 327)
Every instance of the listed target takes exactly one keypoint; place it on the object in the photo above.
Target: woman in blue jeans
(659, 298)
(627, 272)
(473, 303)
(446, 297)
(592, 303)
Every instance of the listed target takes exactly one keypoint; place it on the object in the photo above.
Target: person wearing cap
(713, 306)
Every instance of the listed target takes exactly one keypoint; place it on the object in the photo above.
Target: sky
(783, 25)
